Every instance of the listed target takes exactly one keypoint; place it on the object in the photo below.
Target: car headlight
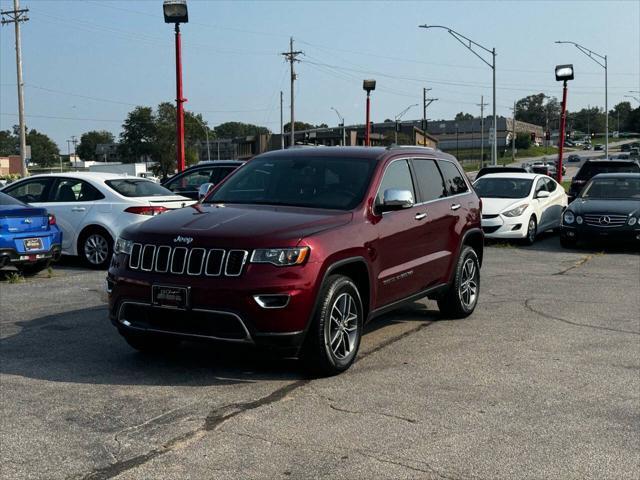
(280, 257)
(569, 217)
(633, 221)
(123, 246)
(516, 212)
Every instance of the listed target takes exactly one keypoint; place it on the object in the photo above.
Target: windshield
(315, 182)
(503, 187)
(131, 187)
(7, 200)
(618, 188)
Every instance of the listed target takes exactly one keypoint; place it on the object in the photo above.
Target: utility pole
(281, 124)
(291, 57)
(482, 105)
(74, 140)
(16, 16)
(513, 134)
(425, 103)
(68, 153)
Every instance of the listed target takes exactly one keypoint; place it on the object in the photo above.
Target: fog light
(571, 234)
(633, 221)
(272, 301)
(579, 220)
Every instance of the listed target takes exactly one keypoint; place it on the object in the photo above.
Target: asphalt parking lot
(543, 381)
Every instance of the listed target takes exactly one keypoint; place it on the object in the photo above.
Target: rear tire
(461, 298)
(95, 248)
(334, 335)
(150, 343)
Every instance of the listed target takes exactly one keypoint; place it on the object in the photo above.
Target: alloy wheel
(468, 289)
(343, 326)
(531, 231)
(96, 249)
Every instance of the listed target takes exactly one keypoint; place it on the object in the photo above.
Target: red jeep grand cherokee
(298, 248)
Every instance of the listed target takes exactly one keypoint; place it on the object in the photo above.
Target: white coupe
(520, 205)
(93, 208)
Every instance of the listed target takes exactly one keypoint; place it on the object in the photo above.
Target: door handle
(420, 216)
(78, 209)
(455, 206)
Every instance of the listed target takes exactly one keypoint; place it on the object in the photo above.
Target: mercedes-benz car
(298, 248)
(607, 208)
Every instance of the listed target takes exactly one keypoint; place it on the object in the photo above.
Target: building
(10, 165)
(107, 152)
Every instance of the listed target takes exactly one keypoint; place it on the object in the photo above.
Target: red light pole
(369, 86)
(175, 11)
(563, 74)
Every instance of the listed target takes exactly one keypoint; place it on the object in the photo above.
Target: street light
(369, 86)
(175, 11)
(469, 44)
(564, 73)
(344, 133)
(592, 55)
(399, 116)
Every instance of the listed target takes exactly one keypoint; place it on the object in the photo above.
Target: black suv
(188, 182)
(591, 168)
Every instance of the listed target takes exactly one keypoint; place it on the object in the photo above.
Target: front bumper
(220, 308)
(581, 232)
(499, 226)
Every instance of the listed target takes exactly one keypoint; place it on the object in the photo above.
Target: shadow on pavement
(82, 346)
(550, 242)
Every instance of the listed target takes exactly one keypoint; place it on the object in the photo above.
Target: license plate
(169, 296)
(31, 244)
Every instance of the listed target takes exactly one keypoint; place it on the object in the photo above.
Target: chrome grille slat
(197, 261)
(594, 220)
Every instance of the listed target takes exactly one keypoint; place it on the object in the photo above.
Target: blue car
(29, 236)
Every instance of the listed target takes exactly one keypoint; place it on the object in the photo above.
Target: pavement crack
(389, 415)
(393, 340)
(527, 304)
(578, 264)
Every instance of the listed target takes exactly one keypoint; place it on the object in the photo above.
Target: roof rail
(407, 147)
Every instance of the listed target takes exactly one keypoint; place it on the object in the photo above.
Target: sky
(87, 63)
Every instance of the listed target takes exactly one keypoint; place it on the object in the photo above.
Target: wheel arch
(91, 228)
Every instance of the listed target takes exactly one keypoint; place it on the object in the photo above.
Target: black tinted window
(31, 191)
(74, 190)
(551, 185)
(316, 182)
(191, 181)
(623, 188)
(428, 179)
(589, 170)
(397, 176)
(453, 180)
(220, 173)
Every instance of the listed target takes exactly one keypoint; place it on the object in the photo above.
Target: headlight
(633, 221)
(123, 246)
(280, 257)
(569, 217)
(516, 212)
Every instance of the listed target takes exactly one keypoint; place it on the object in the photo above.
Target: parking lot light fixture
(602, 61)
(471, 46)
(564, 73)
(368, 86)
(175, 11)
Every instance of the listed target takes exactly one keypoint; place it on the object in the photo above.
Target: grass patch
(15, 277)
(49, 272)
(566, 184)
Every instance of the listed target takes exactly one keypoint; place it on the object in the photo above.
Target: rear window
(138, 188)
(589, 170)
(453, 181)
(7, 200)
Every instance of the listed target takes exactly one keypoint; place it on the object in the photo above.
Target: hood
(240, 226)
(494, 206)
(615, 207)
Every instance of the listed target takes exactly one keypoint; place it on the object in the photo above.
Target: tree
(523, 141)
(463, 116)
(44, 151)
(88, 141)
(533, 109)
(619, 113)
(139, 132)
(303, 126)
(9, 144)
(238, 129)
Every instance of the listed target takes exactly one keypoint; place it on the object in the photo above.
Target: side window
(396, 176)
(191, 181)
(551, 185)
(428, 179)
(541, 185)
(30, 191)
(220, 173)
(453, 181)
(74, 190)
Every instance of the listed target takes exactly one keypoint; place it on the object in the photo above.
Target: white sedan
(93, 208)
(519, 205)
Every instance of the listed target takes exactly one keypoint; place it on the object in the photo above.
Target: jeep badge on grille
(181, 239)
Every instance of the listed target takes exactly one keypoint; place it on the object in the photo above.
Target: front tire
(532, 231)
(461, 297)
(334, 335)
(95, 248)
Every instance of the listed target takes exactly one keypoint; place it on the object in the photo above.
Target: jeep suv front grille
(188, 261)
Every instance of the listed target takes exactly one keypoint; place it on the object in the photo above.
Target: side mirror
(543, 194)
(396, 199)
(204, 190)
